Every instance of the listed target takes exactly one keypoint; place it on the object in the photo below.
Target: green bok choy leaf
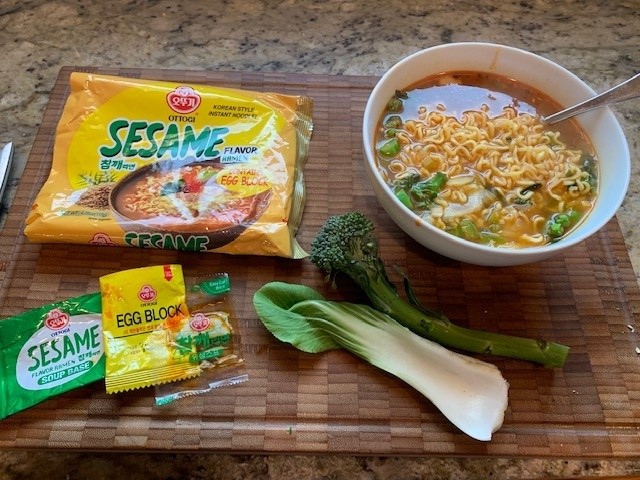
(471, 393)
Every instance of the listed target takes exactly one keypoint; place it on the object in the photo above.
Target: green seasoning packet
(50, 350)
(218, 350)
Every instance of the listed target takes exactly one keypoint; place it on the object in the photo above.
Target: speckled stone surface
(595, 39)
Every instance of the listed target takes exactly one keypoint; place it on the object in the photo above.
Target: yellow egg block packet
(142, 311)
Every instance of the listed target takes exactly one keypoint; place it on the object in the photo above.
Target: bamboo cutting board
(333, 402)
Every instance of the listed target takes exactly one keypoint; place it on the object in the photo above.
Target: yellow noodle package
(175, 166)
(143, 309)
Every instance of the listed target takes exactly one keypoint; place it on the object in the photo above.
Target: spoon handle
(625, 91)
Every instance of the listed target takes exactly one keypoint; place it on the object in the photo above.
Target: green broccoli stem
(346, 245)
(384, 297)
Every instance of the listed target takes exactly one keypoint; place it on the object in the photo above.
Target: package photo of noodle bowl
(170, 200)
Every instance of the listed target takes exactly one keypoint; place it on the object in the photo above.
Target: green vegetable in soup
(390, 148)
(589, 165)
(419, 194)
(492, 238)
(391, 126)
(390, 133)
(404, 197)
(346, 244)
(472, 394)
(561, 223)
(395, 104)
(393, 121)
(173, 187)
(469, 231)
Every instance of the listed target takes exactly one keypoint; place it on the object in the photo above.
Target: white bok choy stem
(471, 393)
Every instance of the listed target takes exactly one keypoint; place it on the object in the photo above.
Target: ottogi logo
(199, 322)
(56, 319)
(147, 293)
(102, 239)
(183, 100)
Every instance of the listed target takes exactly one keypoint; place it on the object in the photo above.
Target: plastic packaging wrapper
(142, 311)
(50, 350)
(218, 348)
(152, 164)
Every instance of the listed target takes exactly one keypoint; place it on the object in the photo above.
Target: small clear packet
(212, 330)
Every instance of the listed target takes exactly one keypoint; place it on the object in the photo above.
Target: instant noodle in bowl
(459, 157)
(165, 165)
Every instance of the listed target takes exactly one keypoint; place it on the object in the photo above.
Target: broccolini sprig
(346, 244)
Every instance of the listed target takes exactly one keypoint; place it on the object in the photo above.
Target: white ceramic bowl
(564, 87)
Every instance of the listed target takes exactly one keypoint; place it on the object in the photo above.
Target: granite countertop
(596, 40)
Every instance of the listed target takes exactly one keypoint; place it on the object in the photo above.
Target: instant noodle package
(166, 165)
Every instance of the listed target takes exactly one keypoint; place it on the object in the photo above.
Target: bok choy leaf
(471, 393)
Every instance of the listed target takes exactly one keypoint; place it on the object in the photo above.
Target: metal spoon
(624, 91)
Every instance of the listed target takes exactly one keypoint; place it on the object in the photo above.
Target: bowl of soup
(459, 156)
(185, 205)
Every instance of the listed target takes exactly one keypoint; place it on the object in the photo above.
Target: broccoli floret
(346, 244)
(417, 193)
(561, 223)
